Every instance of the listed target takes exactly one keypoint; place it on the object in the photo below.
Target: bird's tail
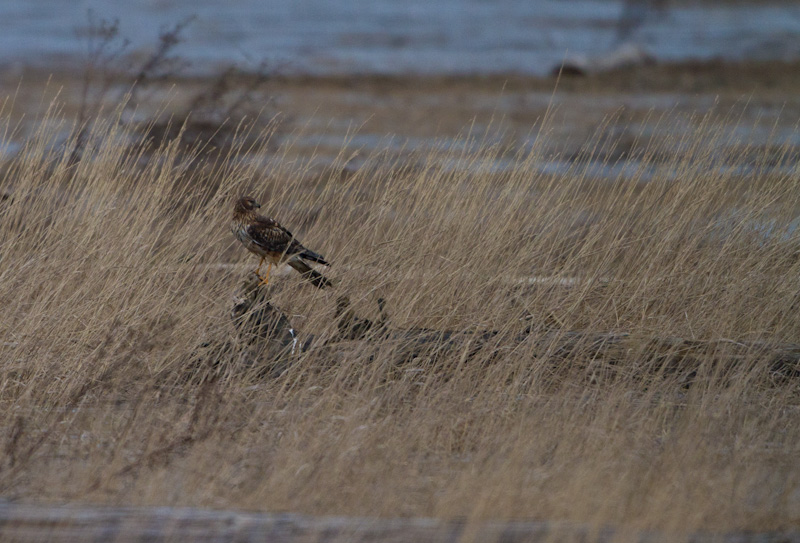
(308, 254)
(312, 275)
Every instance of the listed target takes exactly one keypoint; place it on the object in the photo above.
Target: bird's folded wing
(271, 236)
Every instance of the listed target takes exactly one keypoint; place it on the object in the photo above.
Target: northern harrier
(273, 243)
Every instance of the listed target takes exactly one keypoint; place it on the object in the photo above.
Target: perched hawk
(273, 243)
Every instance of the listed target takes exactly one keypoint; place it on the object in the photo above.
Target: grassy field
(117, 274)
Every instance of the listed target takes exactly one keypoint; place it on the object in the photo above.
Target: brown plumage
(273, 243)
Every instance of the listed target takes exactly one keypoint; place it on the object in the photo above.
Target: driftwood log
(268, 341)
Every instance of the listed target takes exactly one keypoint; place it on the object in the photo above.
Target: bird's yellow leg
(258, 270)
(266, 279)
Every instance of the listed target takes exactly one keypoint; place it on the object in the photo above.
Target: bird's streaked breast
(240, 231)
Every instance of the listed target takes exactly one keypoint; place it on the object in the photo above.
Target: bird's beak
(258, 205)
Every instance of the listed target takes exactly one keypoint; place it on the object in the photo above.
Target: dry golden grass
(110, 283)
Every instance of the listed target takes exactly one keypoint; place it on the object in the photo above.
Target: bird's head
(246, 204)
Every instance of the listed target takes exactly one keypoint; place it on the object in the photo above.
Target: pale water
(400, 36)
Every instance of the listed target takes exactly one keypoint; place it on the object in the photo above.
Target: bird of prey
(273, 243)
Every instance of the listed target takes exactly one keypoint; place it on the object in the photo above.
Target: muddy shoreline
(715, 75)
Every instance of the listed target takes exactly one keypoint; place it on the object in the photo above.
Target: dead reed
(110, 284)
